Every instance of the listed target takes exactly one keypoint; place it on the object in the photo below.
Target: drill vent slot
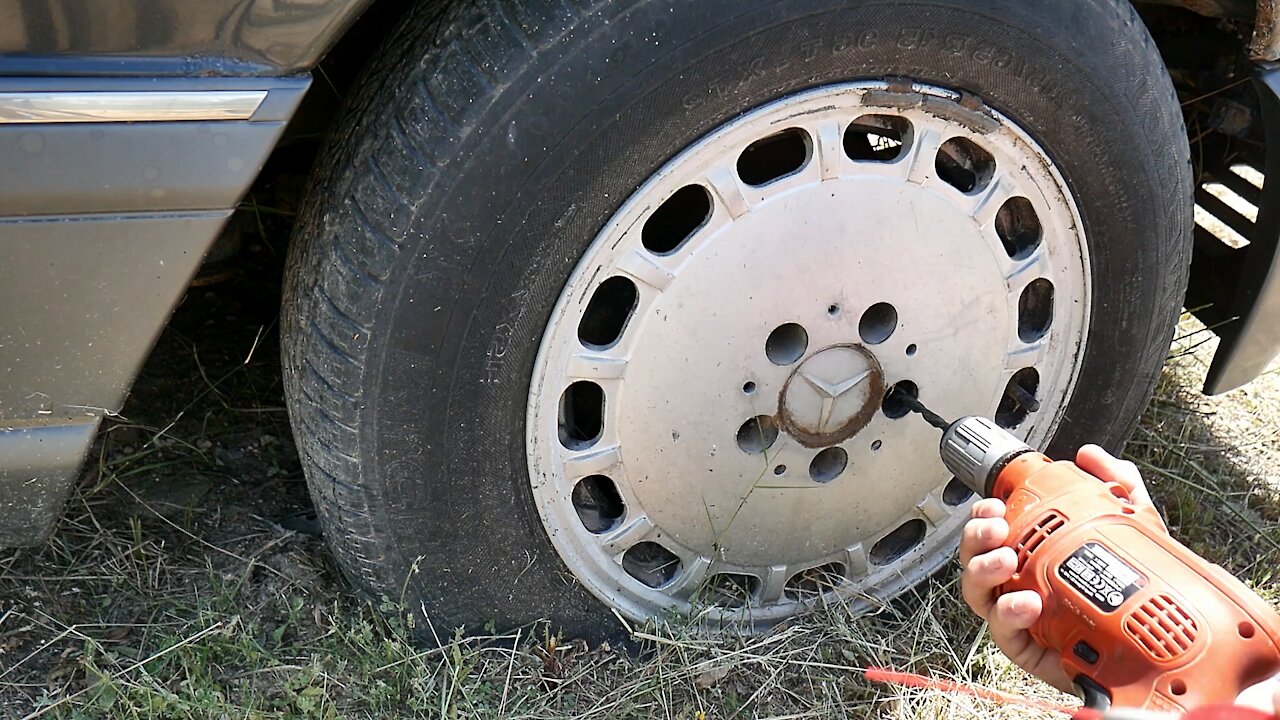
(1036, 535)
(1161, 627)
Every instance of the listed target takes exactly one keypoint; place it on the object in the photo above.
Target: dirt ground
(187, 579)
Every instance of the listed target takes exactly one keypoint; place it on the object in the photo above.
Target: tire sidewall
(589, 119)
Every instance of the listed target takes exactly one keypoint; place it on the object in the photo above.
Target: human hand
(1264, 696)
(986, 564)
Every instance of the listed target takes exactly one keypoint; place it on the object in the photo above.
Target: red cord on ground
(906, 679)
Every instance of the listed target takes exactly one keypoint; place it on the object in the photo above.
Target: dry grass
(185, 581)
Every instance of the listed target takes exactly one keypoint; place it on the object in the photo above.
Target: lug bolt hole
(748, 387)
(833, 310)
(786, 344)
(875, 444)
(877, 323)
(828, 464)
(779, 470)
(911, 349)
(894, 404)
(757, 434)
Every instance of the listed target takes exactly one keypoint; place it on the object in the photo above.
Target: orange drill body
(1127, 606)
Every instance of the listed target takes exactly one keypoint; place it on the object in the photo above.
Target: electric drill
(1139, 620)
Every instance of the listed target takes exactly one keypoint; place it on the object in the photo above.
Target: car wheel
(595, 309)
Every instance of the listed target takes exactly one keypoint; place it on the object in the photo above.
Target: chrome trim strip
(101, 107)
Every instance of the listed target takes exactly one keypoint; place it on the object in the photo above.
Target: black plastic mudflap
(1235, 277)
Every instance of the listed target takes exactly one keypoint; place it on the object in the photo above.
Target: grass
(186, 580)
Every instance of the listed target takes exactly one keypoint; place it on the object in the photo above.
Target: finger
(1108, 468)
(1017, 610)
(987, 508)
(980, 536)
(1012, 615)
(982, 575)
(1022, 649)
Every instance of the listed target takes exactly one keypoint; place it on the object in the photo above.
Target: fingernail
(993, 562)
(1017, 606)
(984, 532)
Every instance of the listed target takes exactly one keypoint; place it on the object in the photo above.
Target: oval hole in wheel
(607, 313)
(1018, 227)
(956, 493)
(651, 564)
(814, 582)
(732, 590)
(878, 138)
(897, 543)
(963, 165)
(581, 415)
(598, 504)
(676, 220)
(1035, 310)
(774, 157)
(1013, 404)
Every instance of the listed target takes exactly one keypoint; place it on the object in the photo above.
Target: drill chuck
(975, 450)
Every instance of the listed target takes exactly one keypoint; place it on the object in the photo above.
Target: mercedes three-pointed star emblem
(841, 389)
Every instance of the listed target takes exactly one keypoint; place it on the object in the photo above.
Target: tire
(491, 142)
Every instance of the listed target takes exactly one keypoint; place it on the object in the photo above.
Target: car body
(130, 130)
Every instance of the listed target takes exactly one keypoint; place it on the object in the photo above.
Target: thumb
(1108, 468)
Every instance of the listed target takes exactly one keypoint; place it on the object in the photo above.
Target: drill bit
(913, 404)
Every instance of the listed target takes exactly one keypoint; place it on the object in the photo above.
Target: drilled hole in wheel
(1178, 687)
(1019, 398)
(814, 582)
(607, 313)
(879, 138)
(895, 403)
(676, 220)
(877, 323)
(911, 350)
(897, 543)
(757, 434)
(581, 415)
(1035, 310)
(963, 165)
(1018, 227)
(786, 344)
(732, 590)
(598, 504)
(651, 564)
(956, 493)
(774, 157)
(828, 464)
